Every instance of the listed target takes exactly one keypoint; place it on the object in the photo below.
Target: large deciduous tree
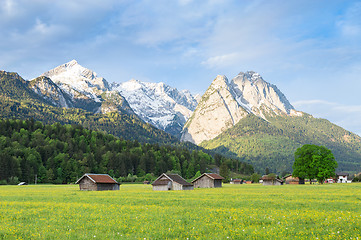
(314, 162)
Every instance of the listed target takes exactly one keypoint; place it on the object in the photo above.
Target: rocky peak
(224, 104)
(252, 91)
(77, 77)
(217, 111)
(219, 82)
(158, 104)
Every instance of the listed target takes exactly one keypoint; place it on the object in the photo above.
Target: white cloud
(221, 61)
(350, 22)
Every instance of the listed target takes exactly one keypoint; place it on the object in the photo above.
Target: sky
(311, 50)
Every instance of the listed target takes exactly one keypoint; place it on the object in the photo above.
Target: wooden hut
(208, 180)
(271, 180)
(236, 181)
(97, 182)
(289, 179)
(342, 177)
(167, 182)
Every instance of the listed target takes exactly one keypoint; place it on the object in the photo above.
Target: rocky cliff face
(225, 103)
(217, 111)
(46, 88)
(159, 104)
(252, 92)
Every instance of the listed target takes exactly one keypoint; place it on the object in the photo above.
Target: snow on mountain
(252, 92)
(76, 79)
(159, 104)
(225, 103)
(155, 103)
(45, 87)
(86, 89)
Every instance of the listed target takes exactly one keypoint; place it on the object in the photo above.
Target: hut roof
(213, 176)
(161, 182)
(98, 178)
(172, 177)
(288, 175)
(236, 180)
(266, 178)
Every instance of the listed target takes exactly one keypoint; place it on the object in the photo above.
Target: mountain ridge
(159, 104)
(225, 103)
(272, 136)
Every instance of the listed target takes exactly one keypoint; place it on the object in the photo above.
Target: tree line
(58, 153)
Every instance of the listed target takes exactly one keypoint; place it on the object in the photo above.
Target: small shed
(97, 182)
(271, 181)
(167, 182)
(289, 179)
(208, 180)
(342, 177)
(236, 181)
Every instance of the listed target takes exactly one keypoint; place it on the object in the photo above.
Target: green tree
(255, 177)
(312, 161)
(198, 174)
(224, 172)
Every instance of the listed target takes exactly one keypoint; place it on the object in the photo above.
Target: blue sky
(310, 49)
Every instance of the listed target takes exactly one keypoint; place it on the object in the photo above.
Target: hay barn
(289, 179)
(97, 182)
(167, 182)
(236, 181)
(208, 180)
(271, 181)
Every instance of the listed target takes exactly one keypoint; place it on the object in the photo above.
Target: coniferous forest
(58, 153)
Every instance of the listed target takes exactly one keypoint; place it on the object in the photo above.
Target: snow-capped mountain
(77, 79)
(159, 104)
(225, 103)
(72, 85)
(252, 92)
(85, 89)
(45, 87)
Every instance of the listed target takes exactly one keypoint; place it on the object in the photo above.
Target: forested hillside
(18, 101)
(272, 144)
(62, 153)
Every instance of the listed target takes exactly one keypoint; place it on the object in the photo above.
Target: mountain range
(156, 103)
(246, 117)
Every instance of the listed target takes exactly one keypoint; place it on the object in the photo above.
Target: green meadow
(137, 212)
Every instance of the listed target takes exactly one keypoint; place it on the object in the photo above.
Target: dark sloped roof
(213, 176)
(172, 177)
(179, 179)
(236, 180)
(98, 178)
(267, 178)
(288, 175)
(161, 182)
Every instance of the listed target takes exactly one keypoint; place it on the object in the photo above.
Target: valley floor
(136, 212)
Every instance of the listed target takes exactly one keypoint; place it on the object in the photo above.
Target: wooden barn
(208, 180)
(97, 182)
(167, 182)
(289, 179)
(236, 181)
(271, 180)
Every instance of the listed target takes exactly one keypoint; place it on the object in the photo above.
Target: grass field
(136, 212)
